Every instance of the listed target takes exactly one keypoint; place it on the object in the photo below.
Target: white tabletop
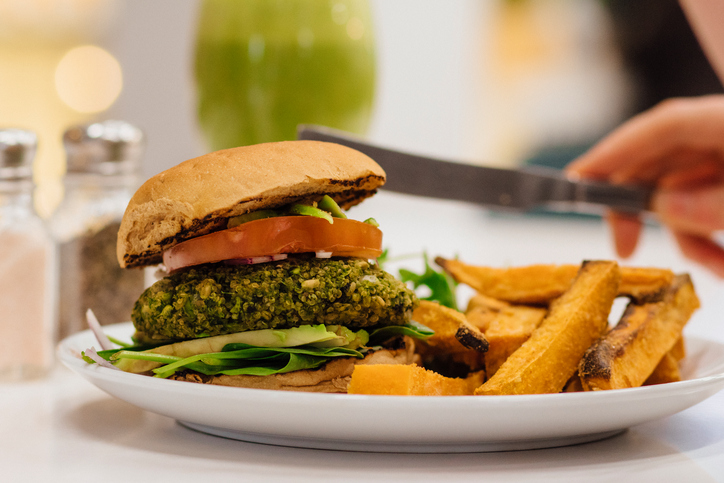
(64, 429)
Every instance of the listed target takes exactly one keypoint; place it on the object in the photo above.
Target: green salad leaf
(236, 359)
(240, 358)
(413, 329)
(441, 285)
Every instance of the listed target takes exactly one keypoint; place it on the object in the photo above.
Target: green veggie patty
(216, 299)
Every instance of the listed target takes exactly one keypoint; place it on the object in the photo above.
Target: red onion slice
(95, 327)
(249, 261)
(270, 258)
(93, 355)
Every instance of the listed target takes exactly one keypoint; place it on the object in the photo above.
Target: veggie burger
(268, 284)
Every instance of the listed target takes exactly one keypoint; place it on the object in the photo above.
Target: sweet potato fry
(629, 352)
(548, 359)
(679, 350)
(457, 347)
(540, 284)
(481, 317)
(507, 332)
(667, 370)
(573, 384)
(483, 310)
(409, 380)
(534, 284)
(450, 327)
(644, 284)
(482, 301)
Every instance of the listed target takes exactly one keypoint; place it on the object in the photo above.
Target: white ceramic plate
(404, 424)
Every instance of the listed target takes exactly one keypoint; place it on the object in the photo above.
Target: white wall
(431, 86)
(154, 43)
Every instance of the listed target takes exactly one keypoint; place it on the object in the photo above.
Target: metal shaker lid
(108, 148)
(17, 150)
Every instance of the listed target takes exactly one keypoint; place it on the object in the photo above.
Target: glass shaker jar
(27, 264)
(103, 164)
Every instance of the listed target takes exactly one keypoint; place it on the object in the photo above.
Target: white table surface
(64, 429)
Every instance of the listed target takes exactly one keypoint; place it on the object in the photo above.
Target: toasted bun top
(199, 195)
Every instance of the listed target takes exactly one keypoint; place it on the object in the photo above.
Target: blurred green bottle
(264, 66)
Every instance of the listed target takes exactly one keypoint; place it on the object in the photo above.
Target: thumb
(699, 211)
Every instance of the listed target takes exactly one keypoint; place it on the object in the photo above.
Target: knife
(523, 189)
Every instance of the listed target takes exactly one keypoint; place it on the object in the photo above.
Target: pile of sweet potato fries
(545, 329)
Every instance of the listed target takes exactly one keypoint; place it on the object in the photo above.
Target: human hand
(678, 149)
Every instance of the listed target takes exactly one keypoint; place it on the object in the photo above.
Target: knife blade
(522, 189)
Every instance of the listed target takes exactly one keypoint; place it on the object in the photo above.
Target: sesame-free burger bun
(198, 196)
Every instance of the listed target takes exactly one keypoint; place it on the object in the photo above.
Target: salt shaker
(27, 264)
(103, 164)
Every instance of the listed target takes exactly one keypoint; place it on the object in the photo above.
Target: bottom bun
(332, 377)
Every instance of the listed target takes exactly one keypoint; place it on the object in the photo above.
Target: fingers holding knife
(678, 149)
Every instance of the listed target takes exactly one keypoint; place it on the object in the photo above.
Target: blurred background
(498, 82)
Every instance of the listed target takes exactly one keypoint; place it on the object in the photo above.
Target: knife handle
(625, 198)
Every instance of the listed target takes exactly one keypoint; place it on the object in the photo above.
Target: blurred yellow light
(88, 79)
(355, 28)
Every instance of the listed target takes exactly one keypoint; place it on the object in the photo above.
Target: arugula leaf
(441, 285)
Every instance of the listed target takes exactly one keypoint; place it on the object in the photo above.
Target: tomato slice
(272, 236)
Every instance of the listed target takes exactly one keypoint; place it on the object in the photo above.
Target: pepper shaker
(27, 263)
(103, 164)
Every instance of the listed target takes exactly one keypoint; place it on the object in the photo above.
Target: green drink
(264, 66)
